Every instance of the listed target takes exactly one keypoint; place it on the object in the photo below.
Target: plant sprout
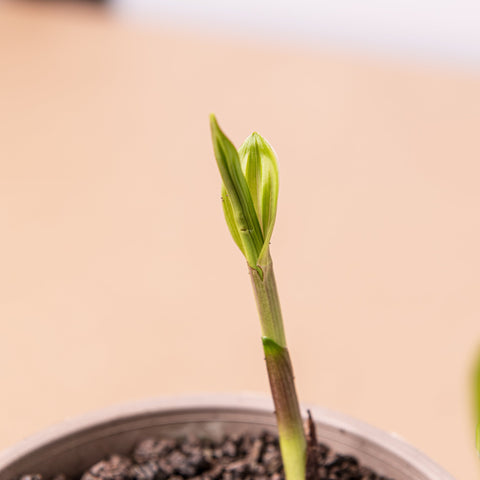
(249, 194)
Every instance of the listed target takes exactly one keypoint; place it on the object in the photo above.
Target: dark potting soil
(236, 457)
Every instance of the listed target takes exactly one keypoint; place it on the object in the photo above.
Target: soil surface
(237, 457)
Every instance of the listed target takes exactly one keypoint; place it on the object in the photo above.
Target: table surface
(119, 280)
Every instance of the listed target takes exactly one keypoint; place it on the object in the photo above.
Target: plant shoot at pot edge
(249, 194)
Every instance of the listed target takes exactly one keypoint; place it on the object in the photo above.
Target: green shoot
(249, 194)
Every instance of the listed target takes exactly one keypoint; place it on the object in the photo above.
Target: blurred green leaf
(477, 438)
(477, 402)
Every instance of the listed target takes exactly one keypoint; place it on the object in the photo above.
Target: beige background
(119, 280)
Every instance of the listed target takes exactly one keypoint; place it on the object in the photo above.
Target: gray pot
(76, 444)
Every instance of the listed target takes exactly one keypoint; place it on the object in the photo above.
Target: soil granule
(236, 457)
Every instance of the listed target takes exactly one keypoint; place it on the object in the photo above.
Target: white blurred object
(444, 30)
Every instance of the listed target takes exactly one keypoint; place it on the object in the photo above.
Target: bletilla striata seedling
(249, 194)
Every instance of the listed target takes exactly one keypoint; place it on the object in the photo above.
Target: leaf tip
(213, 122)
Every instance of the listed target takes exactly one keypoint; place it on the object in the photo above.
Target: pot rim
(391, 442)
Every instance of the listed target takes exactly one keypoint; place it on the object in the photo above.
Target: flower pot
(74, 445)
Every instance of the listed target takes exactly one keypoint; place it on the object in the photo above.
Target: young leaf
(241, 210)
(259, 164)
(230, 219)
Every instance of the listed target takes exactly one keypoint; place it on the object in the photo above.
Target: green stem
(280, 373)
(268, 303)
